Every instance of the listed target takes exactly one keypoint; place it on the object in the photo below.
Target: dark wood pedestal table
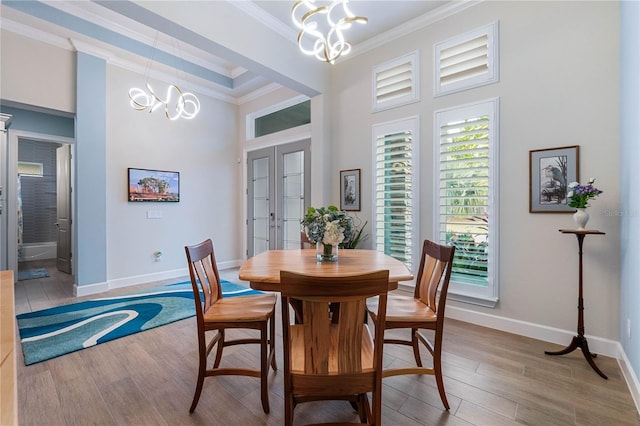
(580, 341)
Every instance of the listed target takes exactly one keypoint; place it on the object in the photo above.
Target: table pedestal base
(581, 343)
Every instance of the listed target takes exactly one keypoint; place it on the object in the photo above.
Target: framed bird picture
(551, 170)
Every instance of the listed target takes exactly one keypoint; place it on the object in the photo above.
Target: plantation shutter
(394, 203)
(464, 196)
(395, 82)
(467, 61)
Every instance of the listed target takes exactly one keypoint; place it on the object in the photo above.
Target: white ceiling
(384, 17)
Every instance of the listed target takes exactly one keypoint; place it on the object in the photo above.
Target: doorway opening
(41, 221)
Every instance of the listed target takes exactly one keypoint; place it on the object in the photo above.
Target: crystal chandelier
(321, 28)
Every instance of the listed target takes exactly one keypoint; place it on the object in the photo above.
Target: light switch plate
(154, 214)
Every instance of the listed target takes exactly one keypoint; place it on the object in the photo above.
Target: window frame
(484, 296)
(250, 122)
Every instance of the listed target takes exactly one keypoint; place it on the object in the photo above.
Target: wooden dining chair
(216, 313)
(333, 360)
(304, 241)
(425, 310)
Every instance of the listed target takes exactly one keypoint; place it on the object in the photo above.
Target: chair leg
(364, 409)
(376, 409)
(416, 347)
(202, 370)
(288, 407)
(216, 363)
(264, 368)
(272, 341)
(437, 367)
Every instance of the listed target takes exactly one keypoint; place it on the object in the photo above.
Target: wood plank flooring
(491, 378)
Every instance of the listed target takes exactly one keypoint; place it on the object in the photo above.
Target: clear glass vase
(326, 252)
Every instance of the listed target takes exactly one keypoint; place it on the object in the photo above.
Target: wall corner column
(90, 255)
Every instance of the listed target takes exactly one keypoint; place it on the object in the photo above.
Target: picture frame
(551, 170)
(153, 185)
(350, 190)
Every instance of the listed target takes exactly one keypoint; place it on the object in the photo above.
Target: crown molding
(35, 34)
(265, 90)
(409, 27)
(71, 8)
(265, 18)
(81, 46)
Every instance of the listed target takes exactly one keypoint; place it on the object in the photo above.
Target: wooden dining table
(263, 270)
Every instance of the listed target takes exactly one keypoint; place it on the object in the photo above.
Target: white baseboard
(597, 345)
(88, 289)
(630, 377)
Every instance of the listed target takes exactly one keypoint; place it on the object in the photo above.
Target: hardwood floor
(491, 378)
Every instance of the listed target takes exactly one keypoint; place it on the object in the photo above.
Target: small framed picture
(350, 189)
(550, 173)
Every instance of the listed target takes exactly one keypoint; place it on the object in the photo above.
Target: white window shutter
(467, 61)
(395, 82)
(395, 189)
(466, 208)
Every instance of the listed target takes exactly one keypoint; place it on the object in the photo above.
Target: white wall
(203, 150)
(630, 198)
(558, 86)
(35, 73)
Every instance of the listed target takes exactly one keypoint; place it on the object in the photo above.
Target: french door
(278, 192)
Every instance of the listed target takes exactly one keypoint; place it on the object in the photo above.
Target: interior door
(63, 223)
(277, 195)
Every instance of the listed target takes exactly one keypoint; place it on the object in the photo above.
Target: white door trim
(12, 196)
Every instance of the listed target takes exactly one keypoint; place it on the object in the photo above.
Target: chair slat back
(304, 241)
(205, 278)
(434, 274)
(320, 331)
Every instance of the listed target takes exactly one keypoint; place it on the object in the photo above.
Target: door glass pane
(286, 118)
(261, 217)
(292, 197)
(294, 163)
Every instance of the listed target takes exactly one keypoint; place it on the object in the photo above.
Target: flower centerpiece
(579, 196)
(327, 228)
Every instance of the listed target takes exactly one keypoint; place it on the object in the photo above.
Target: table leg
(581, 343)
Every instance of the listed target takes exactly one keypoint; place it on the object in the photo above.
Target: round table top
(263, 270)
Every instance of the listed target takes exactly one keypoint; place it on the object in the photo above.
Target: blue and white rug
(57, 331)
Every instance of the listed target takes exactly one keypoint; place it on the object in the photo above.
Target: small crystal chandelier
(176, 103)
(312, 19)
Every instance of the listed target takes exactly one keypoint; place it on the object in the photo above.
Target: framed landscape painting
(154, 185)
(550, 173)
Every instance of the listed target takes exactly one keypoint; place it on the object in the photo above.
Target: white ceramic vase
(580, 218)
